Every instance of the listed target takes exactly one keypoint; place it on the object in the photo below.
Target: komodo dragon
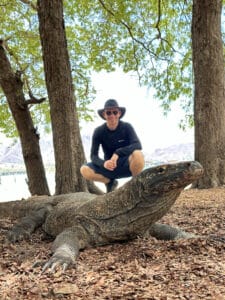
(82, 219)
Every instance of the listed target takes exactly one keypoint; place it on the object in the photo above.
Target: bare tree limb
(159, 18)
(35, 100)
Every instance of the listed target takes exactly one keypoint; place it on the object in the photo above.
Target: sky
(153, 128)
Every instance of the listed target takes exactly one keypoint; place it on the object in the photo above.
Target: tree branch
(34, 100)
(18, 74)
(30, 3)
(159, 18)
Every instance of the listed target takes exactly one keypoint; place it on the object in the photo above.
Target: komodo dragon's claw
(54, 262)
(18, 234)
(217, 238)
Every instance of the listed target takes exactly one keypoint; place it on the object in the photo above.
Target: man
(120, 145)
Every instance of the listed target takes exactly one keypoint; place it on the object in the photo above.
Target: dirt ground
(141, 269)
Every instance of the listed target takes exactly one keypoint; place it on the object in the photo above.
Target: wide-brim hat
(111, 103)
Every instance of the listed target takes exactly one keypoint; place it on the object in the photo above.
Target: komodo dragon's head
(170, 176)
(159, 180)
(156, 189)
(161, 184)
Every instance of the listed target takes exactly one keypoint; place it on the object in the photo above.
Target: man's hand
(114, 158)
(111, 164)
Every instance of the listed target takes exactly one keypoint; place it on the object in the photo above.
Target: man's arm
(134, 142)
(96, 141)
(95, 149)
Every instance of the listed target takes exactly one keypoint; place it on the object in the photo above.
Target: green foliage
(138, 36)
(20, 32)
(152, 38)
(6, 121)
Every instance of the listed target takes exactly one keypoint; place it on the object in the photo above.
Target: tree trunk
(13, 89)
(69, 153)
(209, 100)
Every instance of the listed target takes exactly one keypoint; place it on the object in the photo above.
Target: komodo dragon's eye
(162, 169)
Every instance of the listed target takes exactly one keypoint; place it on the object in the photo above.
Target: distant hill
(179, 152)
(12, 154)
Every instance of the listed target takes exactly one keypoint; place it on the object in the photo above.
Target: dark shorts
(121, 171)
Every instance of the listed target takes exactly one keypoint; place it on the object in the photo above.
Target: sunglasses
(114, 112)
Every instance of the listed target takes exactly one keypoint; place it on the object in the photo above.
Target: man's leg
(136, 162)
(89, 174)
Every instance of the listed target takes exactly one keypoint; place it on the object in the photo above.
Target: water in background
(14, 187)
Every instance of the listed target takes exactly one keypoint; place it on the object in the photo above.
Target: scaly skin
(80, 220)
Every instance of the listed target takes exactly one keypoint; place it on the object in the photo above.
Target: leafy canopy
(150, 38)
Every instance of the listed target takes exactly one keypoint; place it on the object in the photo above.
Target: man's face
(112, 116)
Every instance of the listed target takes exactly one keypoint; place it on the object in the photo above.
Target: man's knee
(137, 162)
(89, 174)
(86, 171)
(137, 157)
(138, 154)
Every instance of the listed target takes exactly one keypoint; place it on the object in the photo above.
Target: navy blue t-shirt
(122, 141)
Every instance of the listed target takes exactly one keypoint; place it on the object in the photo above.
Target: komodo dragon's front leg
(66, 247)
(27, 225)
